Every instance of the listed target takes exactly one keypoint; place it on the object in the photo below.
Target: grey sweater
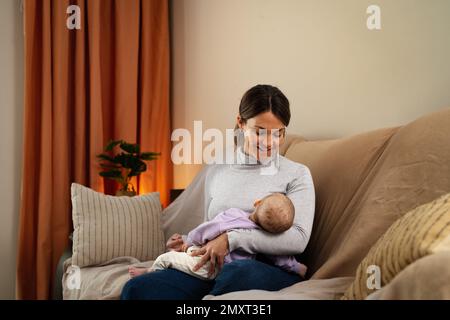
(239, 185)
(222, 186)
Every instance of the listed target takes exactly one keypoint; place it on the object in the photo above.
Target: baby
(274, 213)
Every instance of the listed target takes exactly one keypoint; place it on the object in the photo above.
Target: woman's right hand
(175, 243)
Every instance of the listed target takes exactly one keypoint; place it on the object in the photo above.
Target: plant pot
(122, 193)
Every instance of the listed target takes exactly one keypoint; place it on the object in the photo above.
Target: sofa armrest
(57, 292)
(425, 279)
(57, 285)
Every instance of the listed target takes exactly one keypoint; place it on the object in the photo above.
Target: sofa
(363, 184)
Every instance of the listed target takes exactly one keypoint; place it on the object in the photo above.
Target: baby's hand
(174, 243)
(184, 247)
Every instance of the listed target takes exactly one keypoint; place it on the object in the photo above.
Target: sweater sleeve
(224, 221)
(291, 242)
(205, 232)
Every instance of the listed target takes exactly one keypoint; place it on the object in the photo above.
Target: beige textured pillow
(422, 231)
(106, 227)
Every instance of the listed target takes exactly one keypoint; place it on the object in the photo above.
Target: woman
(263, 117)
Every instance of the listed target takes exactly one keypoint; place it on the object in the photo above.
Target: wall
(340, 77)
(11, 106)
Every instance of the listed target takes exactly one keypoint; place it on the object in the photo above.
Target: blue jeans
(171, 284)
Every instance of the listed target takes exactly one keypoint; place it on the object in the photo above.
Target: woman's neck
(247, 158)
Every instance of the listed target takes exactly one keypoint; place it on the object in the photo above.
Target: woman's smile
(265, 151)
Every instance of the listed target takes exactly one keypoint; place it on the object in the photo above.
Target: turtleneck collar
(267, 165)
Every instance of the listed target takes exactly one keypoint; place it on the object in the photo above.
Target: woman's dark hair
(262, 98)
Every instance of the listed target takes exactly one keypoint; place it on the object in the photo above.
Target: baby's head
(274, 213)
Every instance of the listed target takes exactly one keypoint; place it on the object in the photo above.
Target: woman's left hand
(213, 251)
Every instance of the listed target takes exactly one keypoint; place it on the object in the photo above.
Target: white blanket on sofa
(103, 282)
(107, 280)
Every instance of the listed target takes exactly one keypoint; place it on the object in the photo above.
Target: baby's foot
(302, 270)
(135, 271)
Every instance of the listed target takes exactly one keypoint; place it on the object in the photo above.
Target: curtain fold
(108, 80)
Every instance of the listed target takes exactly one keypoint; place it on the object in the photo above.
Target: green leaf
(130, 148)
(138, 168)
(124, 160)
(106, 157)
(111, 144)
(149, 155)
(149, 158)
(109, 166)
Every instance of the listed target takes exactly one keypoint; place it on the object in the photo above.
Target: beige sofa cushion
(323, 289)
(366, 182)
(432, 284)
(338, 167)
(106, 227)
(423, 231)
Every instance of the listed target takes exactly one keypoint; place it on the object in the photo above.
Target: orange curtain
(107, 80)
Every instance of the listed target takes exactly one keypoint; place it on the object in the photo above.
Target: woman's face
(264, 133)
